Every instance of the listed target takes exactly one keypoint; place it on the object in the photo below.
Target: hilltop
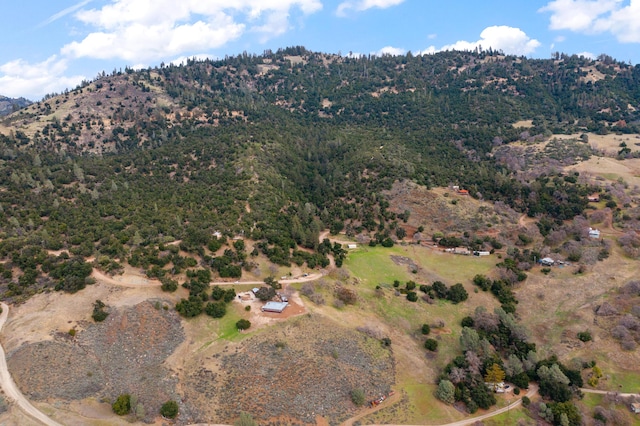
(9, 105)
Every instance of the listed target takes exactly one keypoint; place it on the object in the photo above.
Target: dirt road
(604, 392)
(137, 281)
(387, 403)
(533, 390)
(9, 387)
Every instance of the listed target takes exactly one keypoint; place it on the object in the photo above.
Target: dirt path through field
(604, 392)
(533, 390)
(387, 403)
(9, 387)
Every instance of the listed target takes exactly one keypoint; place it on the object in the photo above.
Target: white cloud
(143, 30)
(588, 55)
(33, 81)
(618, 17)
(390, 50)
(428, 51)
(362, 5)
(182, 60)
(508, 39)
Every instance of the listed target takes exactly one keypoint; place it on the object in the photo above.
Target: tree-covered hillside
(278, 147)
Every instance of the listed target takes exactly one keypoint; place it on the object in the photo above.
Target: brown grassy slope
(291, 372)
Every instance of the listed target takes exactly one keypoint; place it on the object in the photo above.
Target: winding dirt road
(9, 387)
(533, 390)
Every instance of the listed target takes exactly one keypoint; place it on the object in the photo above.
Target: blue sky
(48, 46)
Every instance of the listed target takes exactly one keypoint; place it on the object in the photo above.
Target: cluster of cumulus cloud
(144, 32)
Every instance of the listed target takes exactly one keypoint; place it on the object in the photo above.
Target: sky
(52, 45)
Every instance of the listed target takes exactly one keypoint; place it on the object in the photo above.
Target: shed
(277, 307)
(635, 407)
(547, 261)
(351, 246)
(481, 253)
(594, 233)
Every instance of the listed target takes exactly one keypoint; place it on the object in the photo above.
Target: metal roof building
(274, 307)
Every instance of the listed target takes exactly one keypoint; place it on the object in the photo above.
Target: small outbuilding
(594, 233)
(547, 261)
(635, 407)
(276, 307)
(351, 246)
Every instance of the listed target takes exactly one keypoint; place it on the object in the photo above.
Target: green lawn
(511, 417)
(373, 267)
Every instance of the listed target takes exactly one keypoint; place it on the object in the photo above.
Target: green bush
(122, 405)
(216, 310)
(467, 321)
(243, 324)
(426, 329)
(526, 401)
(358, 397)
(169, 410)
(584, 336)
(431, 344)
(412, 296)
(99, 314)
(168, 284)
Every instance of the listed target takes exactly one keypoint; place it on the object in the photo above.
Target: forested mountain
(278, 147)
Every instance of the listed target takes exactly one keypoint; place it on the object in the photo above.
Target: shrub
(168, 284)
(431, 344)
(358, 397)
(72, 332)
(446, 392)
(516, 391)
(169, 410)
(426, 329)
(526, 401)
(245, 420)
(584, 336)
(243, 324)
(122, 405)
(99, 314)
(412, 296)
(247, 308)
(346, 295)
(467, 322)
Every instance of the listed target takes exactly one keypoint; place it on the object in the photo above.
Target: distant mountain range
(9, 105)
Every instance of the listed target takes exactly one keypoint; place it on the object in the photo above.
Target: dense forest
(276, 148)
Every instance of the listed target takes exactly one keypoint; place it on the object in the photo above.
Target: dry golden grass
(557, 306)
(523, 123)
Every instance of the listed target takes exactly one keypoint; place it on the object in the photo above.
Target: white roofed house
(594, 233)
